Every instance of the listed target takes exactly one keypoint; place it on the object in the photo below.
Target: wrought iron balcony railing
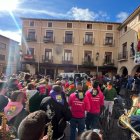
(90, 41)
(68, 40)
(67, 60)
(87, 62)
(48, 39)
(46, 59)
(123, 56)
(108, 62)
(31, 38)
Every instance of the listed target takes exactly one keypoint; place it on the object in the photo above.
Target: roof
(8, 38)
(131, 16)
(68, 20)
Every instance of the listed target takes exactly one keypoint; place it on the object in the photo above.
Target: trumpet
(125, 121)
(3, 126)
(4, 134)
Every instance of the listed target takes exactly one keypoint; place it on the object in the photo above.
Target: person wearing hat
(57, 111)
(79, 104)
(96, 100)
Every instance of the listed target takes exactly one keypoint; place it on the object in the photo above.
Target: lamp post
(97, 59)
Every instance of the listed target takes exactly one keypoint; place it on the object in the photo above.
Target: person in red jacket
(96, 99)
(79, 104)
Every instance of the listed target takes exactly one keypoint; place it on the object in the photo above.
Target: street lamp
(97, 59)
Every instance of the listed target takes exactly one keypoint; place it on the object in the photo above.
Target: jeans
(92, 121)
(76, 123)
(135, 122)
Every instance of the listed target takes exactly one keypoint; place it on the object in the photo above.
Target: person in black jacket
(57, 111)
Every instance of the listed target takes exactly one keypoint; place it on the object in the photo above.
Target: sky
(94, 10)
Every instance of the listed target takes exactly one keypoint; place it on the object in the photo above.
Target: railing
(31, 39)
(86, 62)
(123, 56)
(89, 41)
(46, 59)
(68, 40)
(48, 39)
(29, 57)
(108, 62)
(131, 54)
(67, 60)
(109, 42)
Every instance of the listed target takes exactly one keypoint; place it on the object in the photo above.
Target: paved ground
(115, 133)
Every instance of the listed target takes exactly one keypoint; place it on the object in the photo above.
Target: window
(30, 51)
(68, 55)
(89, 26)
(108, 58)
(125, 28)
(49, 36)
(32, 23)
(124, 50)
(109, 39)
(2, 46)
(49, 24)
(109, 27)
(139, 17)
(31, 34)
(69, 25)
(68, 37)
(87, 56)
(48, 54)
(88, 38)
(2, 57)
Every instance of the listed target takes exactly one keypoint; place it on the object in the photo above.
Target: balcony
(123, 56)
(90, 41)
(86, 62)
(110, 42)
(48, 39)
(31, 39)
(46, 59)
(108, 62)
(132, 55)
(67, 60)
(29, 57)
(68, 40)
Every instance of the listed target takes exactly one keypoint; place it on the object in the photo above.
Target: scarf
(12, 109)
(57, 97)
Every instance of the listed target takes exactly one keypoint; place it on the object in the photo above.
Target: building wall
(79, 29)
(129, 36)
(10, 49)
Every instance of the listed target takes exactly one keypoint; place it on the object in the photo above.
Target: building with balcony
(53, 46)
(9, 55)
(129, 44)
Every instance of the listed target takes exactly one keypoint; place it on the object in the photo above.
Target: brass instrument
(50, 131)
(3, 126)
(125, 121)
(4, 134)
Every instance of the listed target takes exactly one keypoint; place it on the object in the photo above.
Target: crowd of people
(38, 108)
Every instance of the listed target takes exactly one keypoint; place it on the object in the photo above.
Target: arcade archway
(123, 71)
(135, 69)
